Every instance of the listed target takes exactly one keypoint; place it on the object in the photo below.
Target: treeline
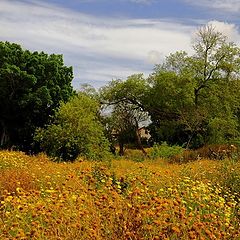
(191, 100)
(188, 100)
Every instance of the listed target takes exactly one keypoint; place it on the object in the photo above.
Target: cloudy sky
(109, 39)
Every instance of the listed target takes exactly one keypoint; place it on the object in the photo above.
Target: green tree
(192, 96)
(123, 123)
(130, 91)
(75, 131)
(32, 84)
(126, 99)
(215, 59)
(170, 97)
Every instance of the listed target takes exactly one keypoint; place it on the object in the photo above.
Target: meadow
(118, 199)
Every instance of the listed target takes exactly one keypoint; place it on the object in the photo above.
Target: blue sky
(109, 39)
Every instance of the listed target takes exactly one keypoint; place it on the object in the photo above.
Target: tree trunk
(138, 138)
(3, 134)
(189, 140)
(121, 148)
(139, 142)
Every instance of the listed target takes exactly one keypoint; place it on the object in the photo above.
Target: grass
(119, 199)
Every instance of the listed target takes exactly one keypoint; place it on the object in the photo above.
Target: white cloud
(228, 29)
(154, 57)
(224, 5)
(120, 47)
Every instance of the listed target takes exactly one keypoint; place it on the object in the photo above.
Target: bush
(218, 151)
(185, 157)
(76, 131)
(165, 151)
(134, 155)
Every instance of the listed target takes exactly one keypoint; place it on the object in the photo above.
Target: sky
(112, 39)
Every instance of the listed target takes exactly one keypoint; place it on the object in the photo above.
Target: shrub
(76, 131)
(165, 151)
(214, 152)
(134, 155)
(218, 151)
(185, 156)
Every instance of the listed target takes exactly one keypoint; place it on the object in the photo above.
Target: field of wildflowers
(118, 199)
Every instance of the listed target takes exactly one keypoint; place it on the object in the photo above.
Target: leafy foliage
(188, 100)
(76, 130)
(125, 99)
(195, 99)
(165, 151)
(32, 84)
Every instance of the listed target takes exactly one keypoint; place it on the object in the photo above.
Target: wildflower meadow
(118, 199)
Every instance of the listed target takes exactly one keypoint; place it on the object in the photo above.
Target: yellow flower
(74, 197)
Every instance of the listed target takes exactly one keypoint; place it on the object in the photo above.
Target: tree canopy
(76, 131)
(191, 99)
(188, 99)
(126, 99)
(198, 94)
(32, 85)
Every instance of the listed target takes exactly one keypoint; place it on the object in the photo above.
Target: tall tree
(124, 125)
(193, 95)
(32, 85)
(215, 67)
(215, 59)
(126, 99)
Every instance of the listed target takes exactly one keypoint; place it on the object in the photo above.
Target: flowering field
(119, 199)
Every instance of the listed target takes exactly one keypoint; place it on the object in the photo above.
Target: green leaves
(76, 130)
(127, 106)
(198, 94)
(131, 91)
(31, 88)
(191, 99)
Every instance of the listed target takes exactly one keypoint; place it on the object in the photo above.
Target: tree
(171, 95)
(123, 123)
(192, 95)
(32, 85)
(75, 131)
(215, 67)
(215, 59)
(126, 99)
